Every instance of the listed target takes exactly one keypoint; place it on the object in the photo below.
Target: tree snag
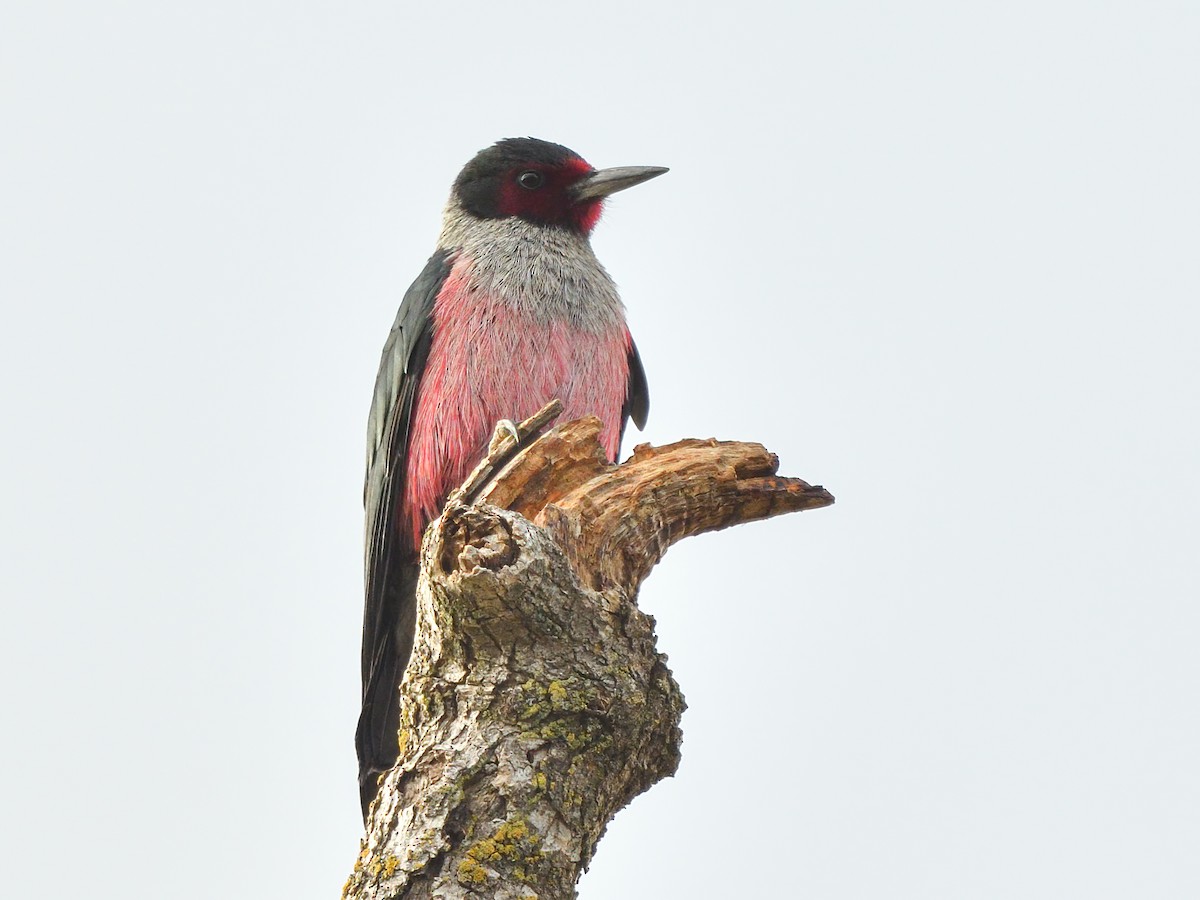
(536, 704)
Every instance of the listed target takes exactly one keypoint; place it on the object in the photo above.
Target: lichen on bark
(536, 704)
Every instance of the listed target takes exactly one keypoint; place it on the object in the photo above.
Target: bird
(512, 310)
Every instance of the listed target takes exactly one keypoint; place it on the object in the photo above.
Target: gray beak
(603, 182)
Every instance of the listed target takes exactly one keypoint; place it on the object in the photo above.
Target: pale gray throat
(546, 273)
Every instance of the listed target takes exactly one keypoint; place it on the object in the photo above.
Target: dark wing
(637, 393)
(389, 615)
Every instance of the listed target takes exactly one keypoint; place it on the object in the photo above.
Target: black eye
(530, 180)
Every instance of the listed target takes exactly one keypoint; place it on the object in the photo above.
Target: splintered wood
(616, 521)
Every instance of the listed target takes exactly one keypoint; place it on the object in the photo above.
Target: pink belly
(487, 363)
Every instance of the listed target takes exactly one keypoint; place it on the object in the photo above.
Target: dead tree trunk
(536, 703)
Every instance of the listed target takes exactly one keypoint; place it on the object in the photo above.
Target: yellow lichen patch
(363, 855)
(513, 846)
(559, 695)
(577, 732)
(402, 741)
(570, 695)
(471, 872)
(386, 866)
(563, 709)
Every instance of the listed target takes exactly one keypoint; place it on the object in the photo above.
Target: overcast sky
(940, 257)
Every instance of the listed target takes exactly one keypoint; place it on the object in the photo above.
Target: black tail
(387, 644)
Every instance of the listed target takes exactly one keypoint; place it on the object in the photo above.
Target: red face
(541, 193)
(531, 179)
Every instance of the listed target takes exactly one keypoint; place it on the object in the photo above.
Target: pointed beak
(603, 182)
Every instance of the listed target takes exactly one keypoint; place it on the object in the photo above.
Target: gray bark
(536, 704)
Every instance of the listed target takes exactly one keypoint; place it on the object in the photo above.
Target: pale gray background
(941, 257)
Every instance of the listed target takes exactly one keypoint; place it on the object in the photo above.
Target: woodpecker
(512, 310)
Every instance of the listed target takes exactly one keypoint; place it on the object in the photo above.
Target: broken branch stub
(536, 703)
(616, 522)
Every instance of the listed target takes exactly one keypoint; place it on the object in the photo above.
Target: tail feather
(376, 737)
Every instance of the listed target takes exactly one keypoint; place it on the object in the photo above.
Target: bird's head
(543, 183)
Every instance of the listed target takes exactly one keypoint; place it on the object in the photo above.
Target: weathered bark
(536, 703)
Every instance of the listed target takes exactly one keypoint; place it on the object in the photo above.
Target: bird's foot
(505, 428)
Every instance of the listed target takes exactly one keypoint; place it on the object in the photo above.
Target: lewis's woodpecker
(512, 310)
